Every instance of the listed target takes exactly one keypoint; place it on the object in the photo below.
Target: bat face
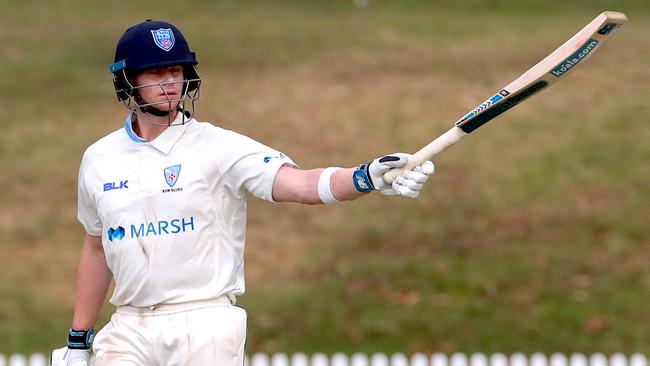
(546, 72)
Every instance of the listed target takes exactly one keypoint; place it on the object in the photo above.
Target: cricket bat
(545, 73)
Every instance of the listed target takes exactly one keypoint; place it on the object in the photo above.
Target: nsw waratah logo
(116, 234)
(171, 174)
(164, 38)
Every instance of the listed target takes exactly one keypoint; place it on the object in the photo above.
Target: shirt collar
(166, 140)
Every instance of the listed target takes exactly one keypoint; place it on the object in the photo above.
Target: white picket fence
(400, 359)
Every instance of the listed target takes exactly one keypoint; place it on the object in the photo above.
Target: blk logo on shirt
(113, 185)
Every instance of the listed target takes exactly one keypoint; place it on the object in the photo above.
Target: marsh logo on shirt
(154, 228)
(115, 234)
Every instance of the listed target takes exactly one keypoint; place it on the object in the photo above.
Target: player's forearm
(342, 185)
(297, 185)
(93, 279)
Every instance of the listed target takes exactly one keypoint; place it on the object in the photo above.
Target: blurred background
(532, 236)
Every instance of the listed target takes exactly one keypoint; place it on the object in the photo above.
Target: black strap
(80, 339)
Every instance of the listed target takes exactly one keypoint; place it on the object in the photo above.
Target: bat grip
(428, 152)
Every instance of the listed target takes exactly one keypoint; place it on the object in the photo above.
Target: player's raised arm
(331, 185)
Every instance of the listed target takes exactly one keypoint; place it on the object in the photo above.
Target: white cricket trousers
(200, 333)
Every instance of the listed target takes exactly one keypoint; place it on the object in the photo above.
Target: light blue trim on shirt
(128, 126)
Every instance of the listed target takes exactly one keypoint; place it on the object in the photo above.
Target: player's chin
(166, 105)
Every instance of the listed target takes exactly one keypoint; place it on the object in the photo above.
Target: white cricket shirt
(172, 212)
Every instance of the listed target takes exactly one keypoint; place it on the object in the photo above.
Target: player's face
(161, 85)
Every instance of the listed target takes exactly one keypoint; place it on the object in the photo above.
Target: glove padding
(69, 357)
(408, 184)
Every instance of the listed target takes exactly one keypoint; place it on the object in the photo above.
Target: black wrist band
(80, 339)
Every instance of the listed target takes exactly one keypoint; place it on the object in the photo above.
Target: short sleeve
(256, 172)
(256, 168)
(86, 203)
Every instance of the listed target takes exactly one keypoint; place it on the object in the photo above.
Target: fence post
(399, 359)
(478, 359)
(458, 359)
(518, 359)
(279, 359)
(597, 359)
(260, 359)
(17, 360)
(498, 359)
(419, 359)
(359, 359)
(38, 359)
(618, 359)
(638, 359)
(439, 359)
(578, 359)
(379, 359)
(538, 359)
(299, 359)
(319, 359)
(339, 359)
(558, 359)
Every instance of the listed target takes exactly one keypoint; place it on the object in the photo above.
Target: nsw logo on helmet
(163, 38)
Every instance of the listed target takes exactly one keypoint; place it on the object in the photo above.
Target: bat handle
(428, 152)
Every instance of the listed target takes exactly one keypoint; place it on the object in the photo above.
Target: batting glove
(69, 357)
(77, 352)
(409, 184)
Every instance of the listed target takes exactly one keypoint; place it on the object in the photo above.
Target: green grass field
(533, 235)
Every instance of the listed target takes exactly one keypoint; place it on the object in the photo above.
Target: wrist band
(324, 186)
(362, 180)
(80, 339)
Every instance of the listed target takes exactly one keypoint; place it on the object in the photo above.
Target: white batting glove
(69, 357)
(408, 184)
(77, 352)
